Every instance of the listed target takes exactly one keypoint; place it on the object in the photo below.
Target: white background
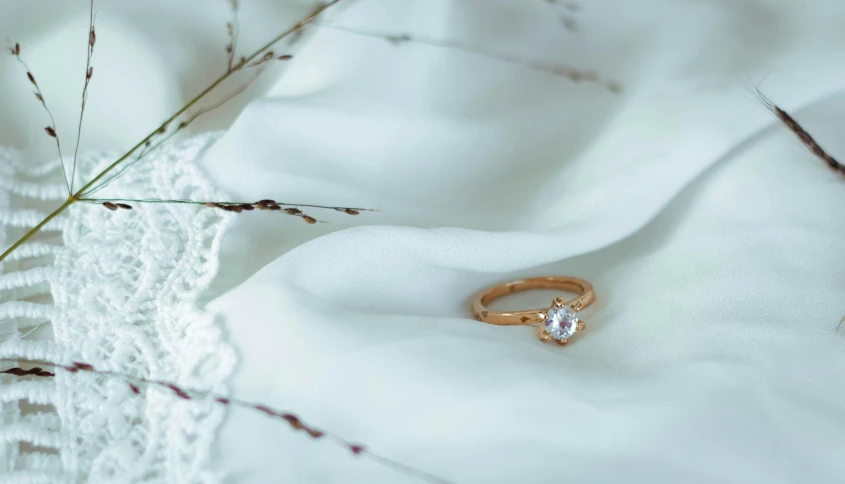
(713, 239)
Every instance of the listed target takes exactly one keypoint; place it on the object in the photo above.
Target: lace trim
(124, 287)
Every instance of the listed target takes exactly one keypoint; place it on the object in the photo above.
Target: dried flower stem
(237, 207)
(194, 202)
(151, 146)
(233, 29)
(136, 383)
(89, 72)
(575, 75)
(75, 196)
(803, 135)
(50, 130)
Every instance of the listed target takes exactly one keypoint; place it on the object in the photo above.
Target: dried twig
(231, 48)
(89, 73)
(153, 144)
(803, 135)
(161, 129)
(15, 50)
(136, 385)
(575, 75)
(293, 209)
(233, 29)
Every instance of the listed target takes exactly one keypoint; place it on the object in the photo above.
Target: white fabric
(124, 289)
(712, 354)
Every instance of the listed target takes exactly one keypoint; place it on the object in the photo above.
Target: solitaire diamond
(561, 323)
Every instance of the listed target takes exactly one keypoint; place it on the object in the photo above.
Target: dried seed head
(50, 131)
(31, 78)
(285, 57)
(124, 206)
(90, 73)
(266, 204)
(39, 97)
(134, 389)
(30, 372)
(293, 420)
(293, 211)
(266, 409)
(179, 392)
(83, 366)
(213, 205)
(92, 38)
(110, 206)
(356, 449)
(309, 219)
(315, 433)
(246, 206)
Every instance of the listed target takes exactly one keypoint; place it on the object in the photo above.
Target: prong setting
(560, 322)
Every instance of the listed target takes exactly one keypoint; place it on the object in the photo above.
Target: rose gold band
(584, 289)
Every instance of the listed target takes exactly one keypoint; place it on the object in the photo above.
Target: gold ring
(559, 321)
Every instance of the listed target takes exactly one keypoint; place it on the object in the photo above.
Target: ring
(560, 320)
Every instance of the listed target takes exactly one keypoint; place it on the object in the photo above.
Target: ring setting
(558, 323)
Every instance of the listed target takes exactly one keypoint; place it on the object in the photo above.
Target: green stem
(79, 193)
(201, 95)
(37, 228)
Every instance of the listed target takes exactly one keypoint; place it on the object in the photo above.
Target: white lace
(124, 287)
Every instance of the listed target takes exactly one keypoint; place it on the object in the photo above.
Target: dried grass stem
(136, 384)
(161, 129)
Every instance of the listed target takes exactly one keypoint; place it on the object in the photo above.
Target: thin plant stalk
(136, 384)
(73, 198)
(195, 202)
(89, 71)
(575, 75)
(182, 125)
(51, 130)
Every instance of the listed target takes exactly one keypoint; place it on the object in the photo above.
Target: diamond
(561, 323)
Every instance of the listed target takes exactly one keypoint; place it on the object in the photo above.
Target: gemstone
(561, 323)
